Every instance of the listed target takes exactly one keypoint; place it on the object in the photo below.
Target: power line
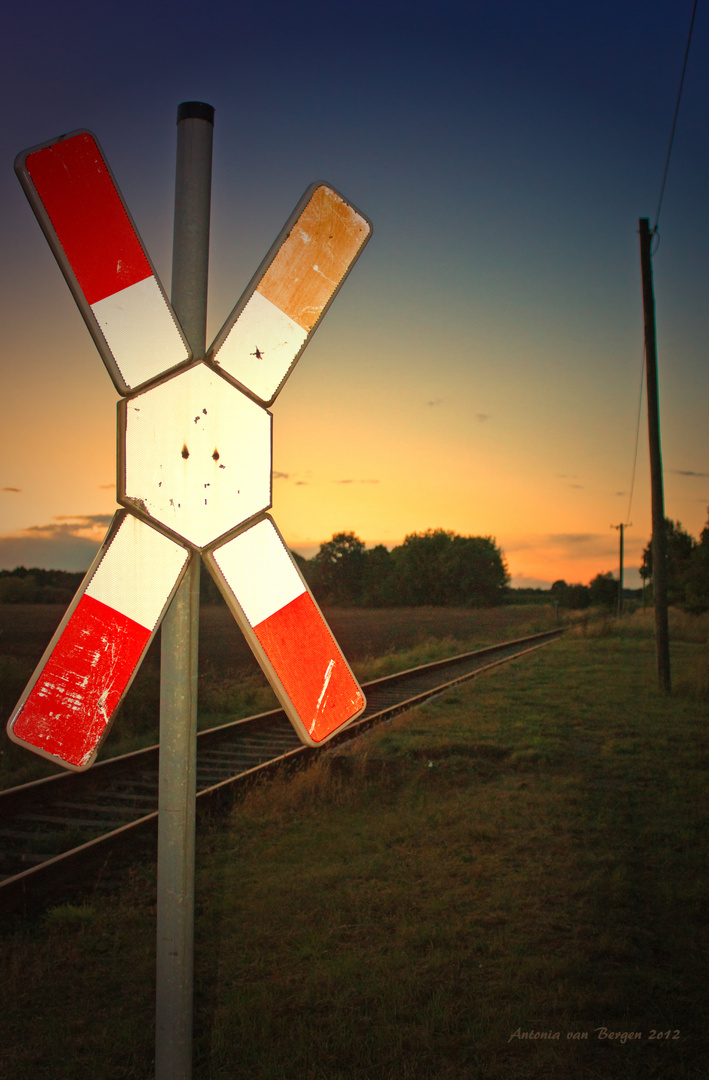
(657, 236)
(674, 121)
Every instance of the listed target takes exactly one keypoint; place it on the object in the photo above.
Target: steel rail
(57, 830)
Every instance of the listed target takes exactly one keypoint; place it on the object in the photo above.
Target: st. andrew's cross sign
(194, 457)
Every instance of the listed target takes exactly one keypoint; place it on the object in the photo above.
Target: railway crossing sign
(194, 457)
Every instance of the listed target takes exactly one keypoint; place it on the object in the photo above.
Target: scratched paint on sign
(259, 346)
(326, 683)
(315, 257)
(287, 631)
(70, 705)
(307, 660)
(88, 215)
(77, 689)
(103, 258)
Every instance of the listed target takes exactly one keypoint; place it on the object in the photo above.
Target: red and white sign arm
(270, 326)
(67, 708)
(287, 632)
(77, 202)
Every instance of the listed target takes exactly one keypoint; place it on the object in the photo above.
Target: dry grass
(640, 624)
(524, 853)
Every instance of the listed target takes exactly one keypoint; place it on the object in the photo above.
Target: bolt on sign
(194, 457)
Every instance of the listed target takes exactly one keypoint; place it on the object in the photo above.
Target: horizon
(78, 562)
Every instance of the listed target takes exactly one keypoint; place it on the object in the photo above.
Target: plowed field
(363, 633)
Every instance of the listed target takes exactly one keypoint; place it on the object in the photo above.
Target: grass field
(231, 684)
(507, 884)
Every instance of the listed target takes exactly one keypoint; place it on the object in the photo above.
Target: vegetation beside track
(231, 685)
(523, 854)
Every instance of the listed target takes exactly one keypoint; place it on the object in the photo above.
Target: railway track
(59, 834)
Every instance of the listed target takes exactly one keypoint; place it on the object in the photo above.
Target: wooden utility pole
(621, 529)
(659, 538)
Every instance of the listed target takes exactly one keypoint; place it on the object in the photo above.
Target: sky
(480, 369)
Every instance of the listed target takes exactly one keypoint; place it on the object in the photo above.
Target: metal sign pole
(180, 631)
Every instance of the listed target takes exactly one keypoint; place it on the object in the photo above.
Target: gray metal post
(180, 632)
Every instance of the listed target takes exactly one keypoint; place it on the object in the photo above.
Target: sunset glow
(480, 369)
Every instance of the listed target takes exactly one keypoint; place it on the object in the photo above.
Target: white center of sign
(197, 455)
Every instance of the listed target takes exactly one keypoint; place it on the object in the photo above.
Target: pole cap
(195, 110)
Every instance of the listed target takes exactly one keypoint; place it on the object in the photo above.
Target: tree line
(437, 567)
(687, 567)
(687, 575)
(36, 586)
(602, 592)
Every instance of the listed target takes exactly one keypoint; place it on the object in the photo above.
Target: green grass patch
(524, 854)
(424, 653)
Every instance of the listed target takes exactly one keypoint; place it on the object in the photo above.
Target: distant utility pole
(659, 540)
(621, 528)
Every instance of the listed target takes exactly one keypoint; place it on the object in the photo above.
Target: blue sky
(480, 369)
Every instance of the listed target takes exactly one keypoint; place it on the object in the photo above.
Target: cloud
(577, 487)
(72, 524)
(481, 417)
(520, 544)
(60, 545)
(571, 555)
(679, 472)
(570, 545)
(435, 402)
(300, 483)
(57, 551)
(12, 489)
(280, 475)
(87, 521)
(571, 539)
(582, 545)
(344, 481)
